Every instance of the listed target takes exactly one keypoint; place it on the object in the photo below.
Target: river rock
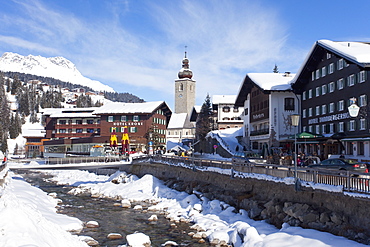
(114, 236)
(138, 239)
(89, 240)
(153, 218)
(170, 244)
(197, 235)
(53, 194)
(126, 203)
(138, 207)
(92, 224)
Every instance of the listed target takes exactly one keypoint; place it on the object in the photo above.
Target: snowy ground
(28, 215)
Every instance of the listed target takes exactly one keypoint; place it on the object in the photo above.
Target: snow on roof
(177, 120)
(272, 81)
(119, 107)
(73, 115)
(358, 51)
(223, 99)
(33, 130)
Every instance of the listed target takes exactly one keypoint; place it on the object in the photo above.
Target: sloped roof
(119, 107)
(223, 99)
(356, 52)
(266, 82)
(179, 121)
(272, 81)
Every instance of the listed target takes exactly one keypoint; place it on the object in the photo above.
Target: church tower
(184, 89)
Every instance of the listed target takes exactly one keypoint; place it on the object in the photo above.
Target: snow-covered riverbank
(24, 207)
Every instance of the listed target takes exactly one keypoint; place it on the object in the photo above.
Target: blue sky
(137, 46)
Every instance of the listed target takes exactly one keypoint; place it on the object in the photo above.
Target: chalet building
(146, 122)
(268, 103)
(226, 114)
(332, 77)
(67, 123)
(70, 131)
(77, 130)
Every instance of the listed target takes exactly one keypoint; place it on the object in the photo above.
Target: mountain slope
(55, 67)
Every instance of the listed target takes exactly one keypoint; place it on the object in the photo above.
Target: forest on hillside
(113, 96)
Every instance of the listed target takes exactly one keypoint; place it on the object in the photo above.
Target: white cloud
(225, 39)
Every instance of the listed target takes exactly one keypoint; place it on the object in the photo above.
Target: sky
(137, 46)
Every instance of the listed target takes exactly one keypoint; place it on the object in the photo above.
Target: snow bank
(217, 220)
(28, 218)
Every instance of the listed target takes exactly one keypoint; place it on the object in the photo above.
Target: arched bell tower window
(181, 87)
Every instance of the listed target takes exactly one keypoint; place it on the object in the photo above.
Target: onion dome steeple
(185, 72)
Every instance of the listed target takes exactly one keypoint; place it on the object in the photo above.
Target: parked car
(342, 165)
(240, 157)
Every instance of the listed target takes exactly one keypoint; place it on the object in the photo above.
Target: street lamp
(295, 123)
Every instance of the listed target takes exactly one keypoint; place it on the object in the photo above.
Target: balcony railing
(260, 132)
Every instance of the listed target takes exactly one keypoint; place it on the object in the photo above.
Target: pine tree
(203, 123)
(5, 117)
(12, 128)
(15, 85)
(275, 70)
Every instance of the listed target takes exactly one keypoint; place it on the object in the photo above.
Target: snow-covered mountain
(54, 67)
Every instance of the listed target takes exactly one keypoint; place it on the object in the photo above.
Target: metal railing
(349, 181)
(78, 160)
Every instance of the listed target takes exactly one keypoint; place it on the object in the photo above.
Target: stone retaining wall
(277, 203)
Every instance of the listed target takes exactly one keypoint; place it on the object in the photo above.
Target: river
(113, 219)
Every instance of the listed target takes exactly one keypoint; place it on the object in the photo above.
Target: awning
(306, 135)
(355, 139)
(308, 142)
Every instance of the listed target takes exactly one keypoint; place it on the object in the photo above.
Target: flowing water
(114, 219)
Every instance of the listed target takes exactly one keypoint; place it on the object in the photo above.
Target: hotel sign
(329, 118)
(127, 123)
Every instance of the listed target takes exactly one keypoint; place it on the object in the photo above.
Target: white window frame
(317, 91)
(317, 74)
(340, 105)
(310, 94)
(323, 71)
(317, 110)
(362, 100)
(340, 64)
(304, 95)
(110, 119)
(331, 107)
(304, 113)
(362, 76)
(310, 112)
(352, 125)
(331, 87)
(323, 109)
(317, 129)
(328, 55)
(313, 76)
(331, 128)
(135, 118)
(331, 68)
(341, 127)
(351, 80)
(124, 118)
(323, 129)
(310, 128)
(324, 89)
(340, 83)
(362, 123)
